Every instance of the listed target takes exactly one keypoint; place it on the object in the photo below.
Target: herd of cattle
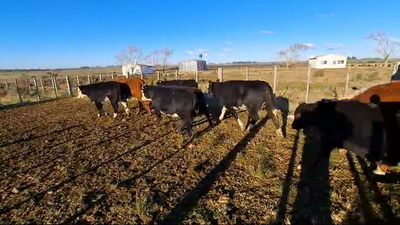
(369, 129)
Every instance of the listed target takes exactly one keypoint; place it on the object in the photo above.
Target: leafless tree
(131, 56)
(165, 54)
(153, 58)
(386, 46)
(291, 54)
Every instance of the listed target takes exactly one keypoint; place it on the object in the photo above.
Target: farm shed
(329, 61)
(192, 65)
(138, 69)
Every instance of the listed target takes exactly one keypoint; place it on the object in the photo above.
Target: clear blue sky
(70, 33)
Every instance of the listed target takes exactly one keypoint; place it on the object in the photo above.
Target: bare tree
(386, 46)
(165, 54)
(291, 54)
(131, 56)
(153, 58)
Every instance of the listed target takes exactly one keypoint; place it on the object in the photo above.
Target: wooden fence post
(77, 80)
(7, 86)
(176, 74)
(275, 74)
(17, 89)
(88, 78)
(28, 83)
(247, 73)
(112, 76)
(158, 75)
(37, 89)
(100, 77)
(53, 82)
(197, 76)
(347, 81)
(41, 84)
(221, 74)
(308, 83)
(69, 86)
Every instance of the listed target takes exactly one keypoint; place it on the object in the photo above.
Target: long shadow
(287, 183)
(185, 206)
(377, 194)
(17, 105)
(36, 137)
(312, 204)
(366, 207)
(54, 188)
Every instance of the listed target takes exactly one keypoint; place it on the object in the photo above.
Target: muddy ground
(60, 163)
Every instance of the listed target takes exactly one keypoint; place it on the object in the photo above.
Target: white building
(329, 61)
(192, 65)
(138, 69)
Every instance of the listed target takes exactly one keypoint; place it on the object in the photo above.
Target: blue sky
(70, 33)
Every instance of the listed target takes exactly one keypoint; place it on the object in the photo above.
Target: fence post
(197, 76)
(247, 73)
(6, 84)
(37, 89)
(275, 74)
(28, 83)
(77, 80)
(100, 77)
(141, 75)
(221, 74)
(17, 89)
(347, 81)
(112, 76)
(69, 86)
(158, 75)
(88, 78)
(53, 82)
(41, 84)
(176, 74)
(308, 83)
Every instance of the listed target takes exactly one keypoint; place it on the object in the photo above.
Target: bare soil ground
(60, 163)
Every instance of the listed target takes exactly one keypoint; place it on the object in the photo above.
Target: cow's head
(80, 94)
(211, 87)
(147, 92)
(308, 114)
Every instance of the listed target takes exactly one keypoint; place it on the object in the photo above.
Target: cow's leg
(124, 103)
(114, 104)
(275, 114)
(140, 105)
(252, 118)
(236, 116)
(223, 111)
(99, 107)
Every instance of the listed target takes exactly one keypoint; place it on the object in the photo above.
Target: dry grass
(61, 163)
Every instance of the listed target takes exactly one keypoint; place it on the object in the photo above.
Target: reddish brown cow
(136, 84)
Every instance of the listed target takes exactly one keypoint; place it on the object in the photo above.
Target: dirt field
(60, 163)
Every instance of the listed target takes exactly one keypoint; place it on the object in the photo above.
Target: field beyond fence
(290, 82)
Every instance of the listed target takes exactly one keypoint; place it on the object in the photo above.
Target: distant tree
(165, 54)
(131, 56)
(153, 58)
(291, 54)
(386, 46)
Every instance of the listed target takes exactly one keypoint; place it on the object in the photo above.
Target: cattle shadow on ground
(40, 136)
(281, 215)
(39, 196)
(312, 203)
(368, 213)
(191, 200)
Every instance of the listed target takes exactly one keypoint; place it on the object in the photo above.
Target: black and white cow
(185, 83)
(252, 95)
(347, 124)
(181, 102)
(98, 92)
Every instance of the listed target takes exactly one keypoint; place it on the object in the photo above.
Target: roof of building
(318, 56)
(190, 60)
